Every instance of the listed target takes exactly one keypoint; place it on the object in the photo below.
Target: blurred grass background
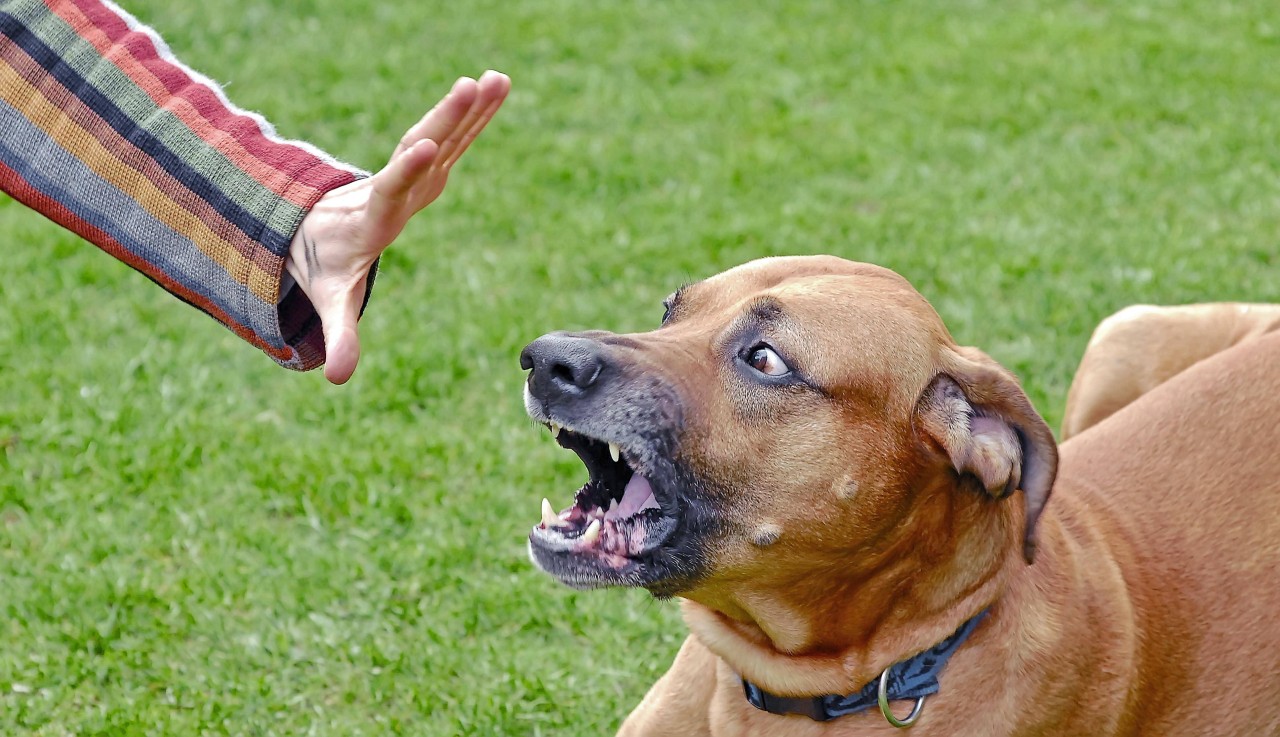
(193, 541)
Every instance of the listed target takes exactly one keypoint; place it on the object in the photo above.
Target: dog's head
(809, 405)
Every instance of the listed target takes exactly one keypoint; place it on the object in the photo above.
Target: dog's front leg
(677, 705)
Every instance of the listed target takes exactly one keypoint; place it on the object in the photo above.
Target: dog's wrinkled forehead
(839, 318)
(766, 272)
(839, 282)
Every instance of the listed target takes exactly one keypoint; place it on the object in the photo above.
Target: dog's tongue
(636, 497)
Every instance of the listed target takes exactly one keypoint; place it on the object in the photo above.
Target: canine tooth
(614, 452)
(592, 532)
(549, 517)
(555, 430)
(613, 506)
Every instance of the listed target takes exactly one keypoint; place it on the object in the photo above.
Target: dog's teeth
(592, 532)
(613, 506)
(555, 430)
(614, 452)
(549, 517)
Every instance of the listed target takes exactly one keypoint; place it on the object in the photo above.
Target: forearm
(105, 133)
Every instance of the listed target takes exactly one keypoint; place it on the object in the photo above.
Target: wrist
(301, 265)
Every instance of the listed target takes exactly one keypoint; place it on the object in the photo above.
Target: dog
(1143, 346)
(855, 513)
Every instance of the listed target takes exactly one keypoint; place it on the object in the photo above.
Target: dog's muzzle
(620, 420)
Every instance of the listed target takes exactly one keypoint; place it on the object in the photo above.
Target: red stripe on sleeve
(288, 170)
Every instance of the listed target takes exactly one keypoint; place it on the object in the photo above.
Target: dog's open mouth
(618, 518)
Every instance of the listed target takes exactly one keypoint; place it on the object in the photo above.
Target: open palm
(350, 227)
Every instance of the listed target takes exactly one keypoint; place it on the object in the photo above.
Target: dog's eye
(666, 311)
(762, 358)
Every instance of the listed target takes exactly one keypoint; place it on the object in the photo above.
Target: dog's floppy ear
(976, 412)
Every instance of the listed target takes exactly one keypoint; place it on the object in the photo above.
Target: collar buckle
(882, 698)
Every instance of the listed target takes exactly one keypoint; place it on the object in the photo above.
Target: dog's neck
(950, 560)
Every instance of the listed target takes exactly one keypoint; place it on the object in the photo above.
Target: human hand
(339, 240)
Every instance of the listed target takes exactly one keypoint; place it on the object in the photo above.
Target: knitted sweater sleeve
(103, 131)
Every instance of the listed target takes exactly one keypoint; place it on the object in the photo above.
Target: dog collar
(910, 679)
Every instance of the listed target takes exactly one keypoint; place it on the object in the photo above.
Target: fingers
(452, 125)
(457, 110)
(412, 179)
(492, 90)
(404, 170)
(393, 185)
(471, 134)
(444, 117)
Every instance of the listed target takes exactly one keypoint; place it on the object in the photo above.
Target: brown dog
(803, 454)
(1141, 347)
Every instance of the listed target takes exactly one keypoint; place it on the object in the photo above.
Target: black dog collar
(911, 679)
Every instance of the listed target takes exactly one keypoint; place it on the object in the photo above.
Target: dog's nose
(562, 364)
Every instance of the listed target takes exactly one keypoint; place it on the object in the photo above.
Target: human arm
(104, 132)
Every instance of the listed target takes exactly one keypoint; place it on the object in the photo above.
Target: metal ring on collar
(882, 695)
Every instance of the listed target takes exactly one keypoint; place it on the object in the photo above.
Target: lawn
(194, 541)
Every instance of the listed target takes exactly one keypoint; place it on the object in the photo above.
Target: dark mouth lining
(607, 478)
(612, 513)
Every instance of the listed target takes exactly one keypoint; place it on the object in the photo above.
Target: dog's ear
(978, 414)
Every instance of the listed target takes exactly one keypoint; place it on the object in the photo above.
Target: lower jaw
(602, 565)
(586, 571)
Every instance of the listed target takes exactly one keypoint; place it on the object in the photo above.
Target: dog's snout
(562, 364)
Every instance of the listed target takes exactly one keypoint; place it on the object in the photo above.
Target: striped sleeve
(103, 131)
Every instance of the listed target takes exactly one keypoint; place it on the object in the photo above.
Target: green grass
(193, 541)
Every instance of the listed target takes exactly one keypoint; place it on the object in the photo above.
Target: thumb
(341, 339)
